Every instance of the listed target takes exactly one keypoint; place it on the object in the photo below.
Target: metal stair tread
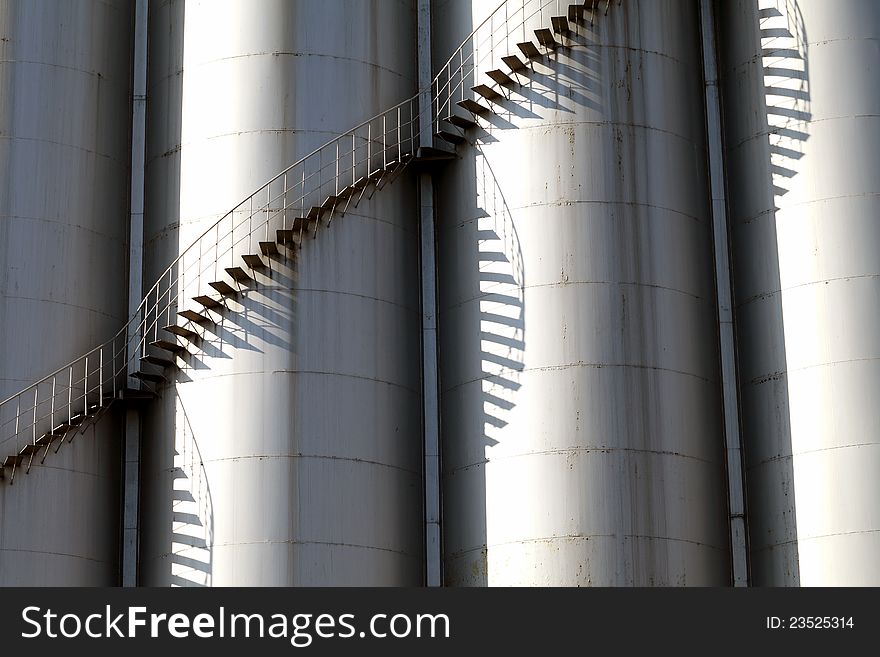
(545, 38)
(473, 106)
(222, 287)
(173, 347)
(514, 63)
(286, 236)
(182, 331)
(149, 376)
(253, 261)
(560, 24)
(450, 137)
(238, 274)
(207, 302)
(195, 316)
(158, 361)
(460, 121)
(486, 91)
(500, 77)
(529, 49)
(269, 248)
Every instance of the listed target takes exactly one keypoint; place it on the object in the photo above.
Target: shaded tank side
(582, 434)
(64, 167)
(288, 452)
(802, 114)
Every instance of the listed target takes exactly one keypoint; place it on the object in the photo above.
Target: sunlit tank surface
(288, 452)
(802, 109)
(64, 166)
(582, 434)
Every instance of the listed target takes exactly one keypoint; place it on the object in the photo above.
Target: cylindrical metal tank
(582, 435)
(64, 164)
(802, 114)
(289, 453)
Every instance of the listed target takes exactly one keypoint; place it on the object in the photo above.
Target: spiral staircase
(279, 219)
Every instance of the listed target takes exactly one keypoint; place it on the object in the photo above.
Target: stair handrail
(461, 71)
(130, 342)
(89, 378)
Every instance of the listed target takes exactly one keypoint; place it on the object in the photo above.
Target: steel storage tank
(289, 454)
(802, 109)
(581, 425)
(64, 162)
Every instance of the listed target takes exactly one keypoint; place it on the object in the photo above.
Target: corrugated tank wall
(802, 114)
(581, 426)
(288, 452)
(64, 165)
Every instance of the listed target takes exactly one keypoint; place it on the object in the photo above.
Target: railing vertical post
(70, 395)
(283, 209)
(370, 145)
(36, 398)
(101, 377)
(216, 251)
(86, 387)
(399, 139)
(113, 368)
(52, 406)
(17, 414)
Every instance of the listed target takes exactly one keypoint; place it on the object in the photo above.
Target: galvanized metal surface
(289, 453)
(802, 105)
(738, 526)
(428, 278)
(132, 436)
(582, 428)
(64, 157)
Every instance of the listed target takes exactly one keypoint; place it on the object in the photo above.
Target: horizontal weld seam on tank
(373, 66)
(587, 537)
(662, 55)
(824, 199)
(301, 542)
(775, 376)
(561, 284)
(842, 40)
(319, 457)
(556, 368)
(57, 554)
(258, 292)
(257, 131)
(63, 223)
(807, 452)
(103, 77)
(583, 450)
(698, 220)
(560, 126)
(39, 140)
(92, 475)
(763, 134)
(801, 538)
(359, 377)
(823, 281)
(359, 296)
(96, 311)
